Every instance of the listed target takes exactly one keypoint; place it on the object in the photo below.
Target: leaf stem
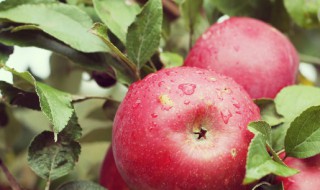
(280, 152)
(78, 99)
(13, 183)
(260, 184)
(96, 29)
(48, 185)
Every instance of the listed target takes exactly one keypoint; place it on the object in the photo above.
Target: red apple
(308, 178)
(253, 53)
(183, 128)
(109, 174)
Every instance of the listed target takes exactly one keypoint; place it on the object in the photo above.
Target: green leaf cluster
(290, 125)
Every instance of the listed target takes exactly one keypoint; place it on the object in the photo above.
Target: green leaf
(56, 105)
(51, 160)
(303, 137)
(253, 8)
(42, 40)
(144, 34)
(23, 75)
(268, 111)
(259, 162)
(293, 100)
(7, 4)
(117, 21)
(64, 22)
(101, 31)
(304, 13)
(18, 97)
(81, 185)
(5, 52)
(261, 127)
(72, 131)
(290, 103)
(171, 59)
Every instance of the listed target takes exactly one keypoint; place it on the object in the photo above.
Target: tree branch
(13, 183)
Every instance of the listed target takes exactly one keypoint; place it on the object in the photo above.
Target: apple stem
(13, 183)
(48, 185)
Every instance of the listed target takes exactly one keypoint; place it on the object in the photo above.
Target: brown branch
(170, 8)
(13, 183)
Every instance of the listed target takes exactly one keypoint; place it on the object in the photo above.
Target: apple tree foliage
(126, 40)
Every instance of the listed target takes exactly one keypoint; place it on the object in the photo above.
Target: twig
(78, 99)
(170, 7)
(48, 185)
(13, 183)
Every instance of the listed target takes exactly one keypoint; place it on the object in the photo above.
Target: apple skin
(308, 178)
(253, 53)
(154, 141)
(110, 177)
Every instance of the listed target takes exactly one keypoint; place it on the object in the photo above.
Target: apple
(183, 128)
(253, 53)
(308, 178)
(110, 177)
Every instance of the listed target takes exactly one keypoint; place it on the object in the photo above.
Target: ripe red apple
(308, 178)
(253, 53)
(183, 128)
(109, 174)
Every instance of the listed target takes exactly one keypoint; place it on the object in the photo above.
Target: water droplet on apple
(186, 102)
(212, 79)
(161, 83)
(206, 35)
(166, 108)
(219, 94)
(200, 72)
(227, 90)
(150, 76)
(154, 124)
(226, 115)
(154, 115)
(137, 103)
(187, 88)
(170, 72)
(236, 104)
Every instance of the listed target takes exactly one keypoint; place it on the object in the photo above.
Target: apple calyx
(200, 133)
